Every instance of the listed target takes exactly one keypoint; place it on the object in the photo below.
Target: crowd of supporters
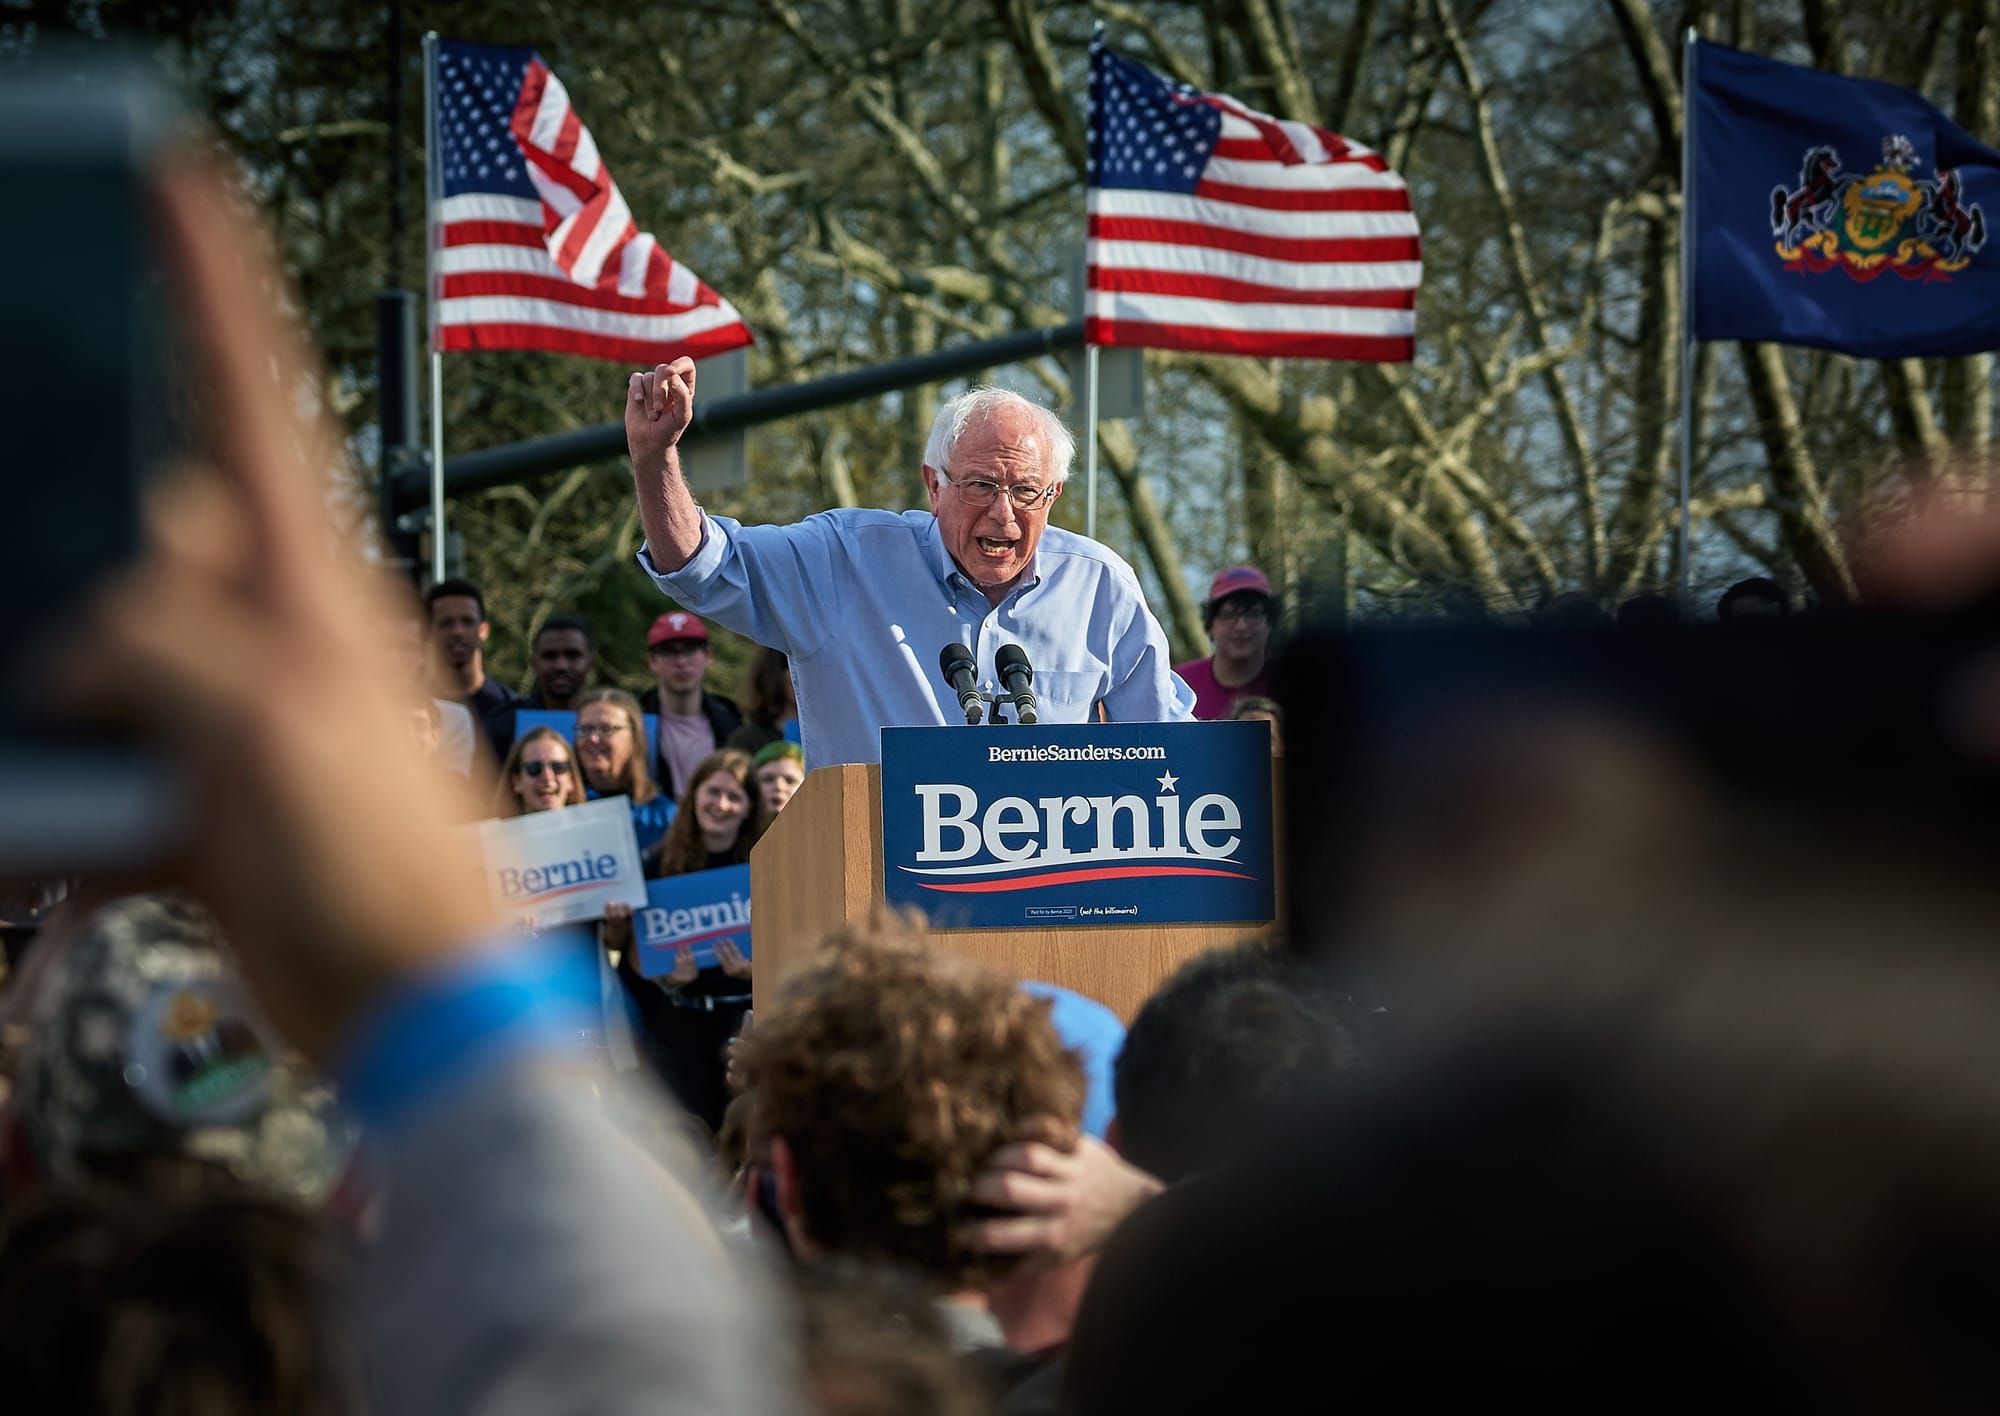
(1574, 1081)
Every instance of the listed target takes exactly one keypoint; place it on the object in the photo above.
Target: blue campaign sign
(1094, 823)
(526, 720)
(695, 911)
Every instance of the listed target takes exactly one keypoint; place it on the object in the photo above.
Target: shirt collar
(947, 570)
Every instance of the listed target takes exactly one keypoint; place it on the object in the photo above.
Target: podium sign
(1091, 823)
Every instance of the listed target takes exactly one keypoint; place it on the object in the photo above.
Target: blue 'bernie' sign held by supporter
(697, 911)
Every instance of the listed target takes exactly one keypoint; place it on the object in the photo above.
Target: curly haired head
(891, 1071)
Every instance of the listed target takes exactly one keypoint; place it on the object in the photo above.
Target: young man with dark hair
(455, 612)
(562, 652)
(693, 721)
(1229, 1038)
(1239, 615)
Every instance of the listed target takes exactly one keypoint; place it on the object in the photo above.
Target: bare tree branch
(1163, 52)
(1261, 32)
(1658, 79)
(1801, 501)
(1347, 78)
(1528, 287)
(1043, 75)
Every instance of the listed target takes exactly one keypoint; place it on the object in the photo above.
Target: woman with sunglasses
(539, 775)
(692, 1013)
(611, 750)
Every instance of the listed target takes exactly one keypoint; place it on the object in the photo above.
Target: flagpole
(1090, 349)
(433, 196)
(1090, 441)
(1687, 342)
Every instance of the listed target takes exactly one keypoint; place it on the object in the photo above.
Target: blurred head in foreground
(1689, 941)
(883, 1080)
(143, 1045)
(208, 1297)
(1229, 1043)
(875, 1344)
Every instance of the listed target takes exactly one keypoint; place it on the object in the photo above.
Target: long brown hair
(505, 802)
(638, 783)
(681, 849)
(767, 694)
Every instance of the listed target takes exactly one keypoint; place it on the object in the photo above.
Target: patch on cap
(676, 624)
(193, 1057)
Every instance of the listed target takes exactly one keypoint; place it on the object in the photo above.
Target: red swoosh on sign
(1077, 877)
(520, 900)
(688, 941)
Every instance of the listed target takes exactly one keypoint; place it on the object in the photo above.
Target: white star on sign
(1168, 781)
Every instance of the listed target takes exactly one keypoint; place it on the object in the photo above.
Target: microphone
(1012, 663)
(959, 667)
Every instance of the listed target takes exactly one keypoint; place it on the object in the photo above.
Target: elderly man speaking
(864, 601)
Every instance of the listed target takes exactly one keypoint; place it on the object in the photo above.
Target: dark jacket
(494, 707)
(723, 715)
(753, 737)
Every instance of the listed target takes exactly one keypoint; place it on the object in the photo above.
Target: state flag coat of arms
(1840, 213)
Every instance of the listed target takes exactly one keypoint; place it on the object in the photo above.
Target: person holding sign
(611, 750)
(691, 1014)
(539, 775)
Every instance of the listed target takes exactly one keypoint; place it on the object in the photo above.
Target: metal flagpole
(434, 196)
(1688, 107)
(1089, 349)
(1090, 440)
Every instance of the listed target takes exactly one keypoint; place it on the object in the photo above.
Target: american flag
(1222, 230)
(534, 245)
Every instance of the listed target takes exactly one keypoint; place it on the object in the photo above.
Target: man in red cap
(1238, 616)
(693, 721)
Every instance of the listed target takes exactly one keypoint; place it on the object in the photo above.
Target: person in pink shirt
(1239, 614)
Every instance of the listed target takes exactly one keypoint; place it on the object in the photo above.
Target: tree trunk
(1183, 626)
(1968, 383)
(1656, 410)
(1528, 286)
(1801, 502)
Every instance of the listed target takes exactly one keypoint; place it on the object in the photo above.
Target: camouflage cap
(143, 1042)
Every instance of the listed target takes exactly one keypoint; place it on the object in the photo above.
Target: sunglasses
(535, 769)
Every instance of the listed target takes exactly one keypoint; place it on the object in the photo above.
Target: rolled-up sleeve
(778, 585)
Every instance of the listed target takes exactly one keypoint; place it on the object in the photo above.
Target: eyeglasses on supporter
(1242, 610)
(599, 730)
(535, 769)
(1023, 496)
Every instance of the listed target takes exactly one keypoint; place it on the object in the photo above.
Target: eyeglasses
(600, 730)
(1242, 609)
(1023, 496)
(535, 769)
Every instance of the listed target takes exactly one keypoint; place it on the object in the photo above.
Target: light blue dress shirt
(863, 601)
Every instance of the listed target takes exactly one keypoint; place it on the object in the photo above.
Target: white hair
(984, 401)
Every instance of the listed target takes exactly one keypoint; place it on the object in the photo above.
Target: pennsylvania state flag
(1841, 213)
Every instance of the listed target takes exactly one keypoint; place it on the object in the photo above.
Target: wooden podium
(820, 865)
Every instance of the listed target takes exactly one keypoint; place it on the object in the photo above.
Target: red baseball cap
(1236, 580)
(676, 624)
